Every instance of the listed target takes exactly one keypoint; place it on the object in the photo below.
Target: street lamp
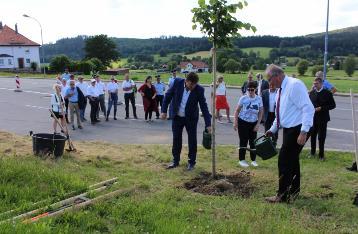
(42, 43)
(326, 45)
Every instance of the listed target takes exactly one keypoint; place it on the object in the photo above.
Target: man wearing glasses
(294, 114)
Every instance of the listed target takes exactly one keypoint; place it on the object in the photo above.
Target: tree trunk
(213, 111)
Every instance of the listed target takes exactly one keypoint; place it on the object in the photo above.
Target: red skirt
(221, 102)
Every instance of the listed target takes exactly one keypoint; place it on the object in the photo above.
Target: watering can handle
(263, 136)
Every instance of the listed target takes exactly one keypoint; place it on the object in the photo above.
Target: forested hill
(341, 42)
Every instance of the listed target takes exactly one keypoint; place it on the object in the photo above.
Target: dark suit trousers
(178, 125)
(289, 164)
(319, 128)
(130, 97)
(94, 108)
(268, 124)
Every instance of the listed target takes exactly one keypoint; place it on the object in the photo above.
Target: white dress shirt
(272, 101)
(64, 89)
(127, 84)
(83, 87)
(295, 106)
(92, 91)
(183, 102)
(112, 87)
(101, 87)
(259, 87)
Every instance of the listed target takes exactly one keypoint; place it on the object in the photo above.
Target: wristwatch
(303, 132)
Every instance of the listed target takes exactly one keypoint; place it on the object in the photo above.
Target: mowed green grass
(160, 204)
(263, 51)
(202, 54)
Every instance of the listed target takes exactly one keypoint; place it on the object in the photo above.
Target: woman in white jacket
(57, 104)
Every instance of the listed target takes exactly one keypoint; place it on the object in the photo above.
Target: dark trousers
(94, 108)
(289, 164)
(159, 100)
(82, 111)
(268, 124)
(130, 97)
(112, 101)
(246, 134)
(148, 113)
(102, 104)
(178, 125)
(319, 128)
(66, 109)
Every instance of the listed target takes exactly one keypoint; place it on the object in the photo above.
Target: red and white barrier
(18, 86)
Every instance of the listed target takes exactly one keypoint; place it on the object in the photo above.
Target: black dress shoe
(115, 118)
(190, 167)
(172, 165)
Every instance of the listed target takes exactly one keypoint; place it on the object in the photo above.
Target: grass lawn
(338, 78)
(202, 54)
(160, 204)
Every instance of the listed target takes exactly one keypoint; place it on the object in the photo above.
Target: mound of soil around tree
(233, 184)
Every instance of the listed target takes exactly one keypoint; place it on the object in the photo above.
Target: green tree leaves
(101, 47)
(216, 20)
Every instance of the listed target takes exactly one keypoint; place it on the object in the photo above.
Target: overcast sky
(153, 18)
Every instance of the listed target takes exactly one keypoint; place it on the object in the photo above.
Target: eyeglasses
(250, 89)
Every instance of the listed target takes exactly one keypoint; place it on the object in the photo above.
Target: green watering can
(265, 148)
(206, 139)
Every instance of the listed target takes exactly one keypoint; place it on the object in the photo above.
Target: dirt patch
(234, 184)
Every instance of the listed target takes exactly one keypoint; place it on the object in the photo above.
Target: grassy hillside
(161, 204)
(202, 54)
(264, 51)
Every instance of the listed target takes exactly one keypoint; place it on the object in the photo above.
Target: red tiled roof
(196, 64)
(8, 37)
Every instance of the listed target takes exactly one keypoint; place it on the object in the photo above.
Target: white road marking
(27, 91)
(37, 107)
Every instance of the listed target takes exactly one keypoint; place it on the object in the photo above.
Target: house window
(27, 60)
(9, 61)
(27, 51)
(1, 62)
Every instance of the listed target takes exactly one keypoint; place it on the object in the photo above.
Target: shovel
(71, 147)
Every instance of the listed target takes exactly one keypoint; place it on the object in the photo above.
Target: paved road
(28, 110)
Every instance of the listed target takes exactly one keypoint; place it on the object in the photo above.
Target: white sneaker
(243, 163)
(254, 163)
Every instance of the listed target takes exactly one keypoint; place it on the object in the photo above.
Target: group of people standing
(71, 96)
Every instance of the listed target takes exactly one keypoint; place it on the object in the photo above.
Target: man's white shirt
(295, 106)
(127, 84)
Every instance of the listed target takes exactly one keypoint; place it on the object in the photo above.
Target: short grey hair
(319, 74)
(273, 70)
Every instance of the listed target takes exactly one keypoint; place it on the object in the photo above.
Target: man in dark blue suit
(185, 95)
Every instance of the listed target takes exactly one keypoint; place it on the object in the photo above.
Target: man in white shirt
(92, 94)
(83, 87)
(294, 114)
(127, 87)
(101, 91)
(112, 89)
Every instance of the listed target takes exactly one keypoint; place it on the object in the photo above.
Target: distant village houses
(193, 66)
(17, 52)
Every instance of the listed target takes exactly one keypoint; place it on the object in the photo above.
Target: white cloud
(145, 18)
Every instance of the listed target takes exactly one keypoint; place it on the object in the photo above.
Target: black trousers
(289, 164)
(130, 97)
(159, 100)
(268, 124)
(94, 108)
(246, 134)
(102, 104)
(319, 128)
(66, 109)
(178, 125)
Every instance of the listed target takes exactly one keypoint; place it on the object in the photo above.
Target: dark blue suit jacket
(175, 94)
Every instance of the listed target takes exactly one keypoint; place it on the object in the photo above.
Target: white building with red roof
(17, 52)
(193, 66)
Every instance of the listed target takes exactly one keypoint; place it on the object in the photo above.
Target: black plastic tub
(44, 144)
